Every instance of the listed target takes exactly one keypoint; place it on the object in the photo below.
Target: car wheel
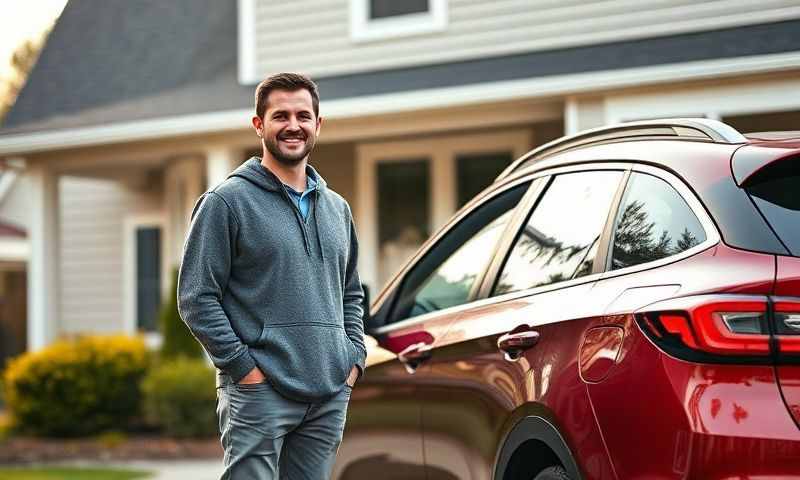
(552, 473)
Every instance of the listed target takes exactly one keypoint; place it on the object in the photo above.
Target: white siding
(313, 36)
(91, 223)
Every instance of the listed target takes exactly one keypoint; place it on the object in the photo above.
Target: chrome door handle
(513, 344)
(415, 355)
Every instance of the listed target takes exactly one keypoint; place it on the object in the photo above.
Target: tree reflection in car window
(559, 241)
(655, 223)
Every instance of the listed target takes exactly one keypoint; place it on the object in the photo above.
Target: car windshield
(774, 191)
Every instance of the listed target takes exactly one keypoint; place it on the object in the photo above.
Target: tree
(635, 241)
(687, 241)
(22, 62)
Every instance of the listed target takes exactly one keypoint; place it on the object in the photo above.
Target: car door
(513, 353)
(383, 438)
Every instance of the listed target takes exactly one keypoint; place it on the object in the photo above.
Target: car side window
(653, 222)
(559, 242)
(447, 274)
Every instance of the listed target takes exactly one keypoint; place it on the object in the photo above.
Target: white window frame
(130, 224)
(364, 29)
(441, 152)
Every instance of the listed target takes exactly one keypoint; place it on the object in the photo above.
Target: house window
(380, 19)
(476, 171)
(148, 278)
(410, 188)
(404, 190)
(393, 8)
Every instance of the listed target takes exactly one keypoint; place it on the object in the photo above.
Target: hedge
(76, 387)
(180, 398)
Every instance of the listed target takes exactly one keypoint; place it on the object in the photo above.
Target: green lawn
(69, 474)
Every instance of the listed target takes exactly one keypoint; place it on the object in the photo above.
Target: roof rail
(690, 128)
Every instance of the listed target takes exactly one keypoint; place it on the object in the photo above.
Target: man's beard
(291, 159)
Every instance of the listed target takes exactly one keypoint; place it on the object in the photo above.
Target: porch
(107, 222)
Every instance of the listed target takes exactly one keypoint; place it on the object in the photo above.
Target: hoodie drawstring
(316, 225)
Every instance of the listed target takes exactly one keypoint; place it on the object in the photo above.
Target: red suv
(622, 303)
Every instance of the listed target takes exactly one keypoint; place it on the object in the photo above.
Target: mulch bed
(38, 450)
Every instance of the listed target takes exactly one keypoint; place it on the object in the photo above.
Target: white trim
(139, 130)
(129, 226)
(403, 102)
(712, 101)
(220, 161)
(364, 29)
(441, 152)
(247, 59)
(44, 296)
(14, 250)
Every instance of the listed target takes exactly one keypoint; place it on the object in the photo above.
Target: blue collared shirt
(302, 199)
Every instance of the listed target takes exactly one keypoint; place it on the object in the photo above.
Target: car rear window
(776, 192)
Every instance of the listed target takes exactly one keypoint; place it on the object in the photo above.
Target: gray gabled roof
(122, 60)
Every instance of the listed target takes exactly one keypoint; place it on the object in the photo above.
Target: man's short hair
(285, 81)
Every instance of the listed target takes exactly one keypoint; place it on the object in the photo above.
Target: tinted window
(653, 222)
(775, 193)
(559, 241)
(447, 274)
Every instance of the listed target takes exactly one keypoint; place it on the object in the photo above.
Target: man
(268, 285)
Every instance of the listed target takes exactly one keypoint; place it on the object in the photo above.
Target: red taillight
(678, 325)
(726, 328)
(705, 328)
(787, 323)
(732, 328)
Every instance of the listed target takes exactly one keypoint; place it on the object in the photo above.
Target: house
(135, 108)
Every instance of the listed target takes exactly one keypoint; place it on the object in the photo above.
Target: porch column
(220, 161)
(43, 263)
(583, 113)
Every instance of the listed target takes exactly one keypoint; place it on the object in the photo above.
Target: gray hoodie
(261, 286)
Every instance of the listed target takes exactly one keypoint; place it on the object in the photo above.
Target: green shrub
(76, 387)
(180, 397)
(177, 339)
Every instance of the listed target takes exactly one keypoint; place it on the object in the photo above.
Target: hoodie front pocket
(304, 359)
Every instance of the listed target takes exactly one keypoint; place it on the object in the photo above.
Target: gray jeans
(266, 436)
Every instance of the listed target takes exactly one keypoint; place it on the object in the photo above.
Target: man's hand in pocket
(351, 379)
(255, 376)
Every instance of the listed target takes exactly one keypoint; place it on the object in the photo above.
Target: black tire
(552, 473)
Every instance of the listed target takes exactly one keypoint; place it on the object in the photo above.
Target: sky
(22, 20)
